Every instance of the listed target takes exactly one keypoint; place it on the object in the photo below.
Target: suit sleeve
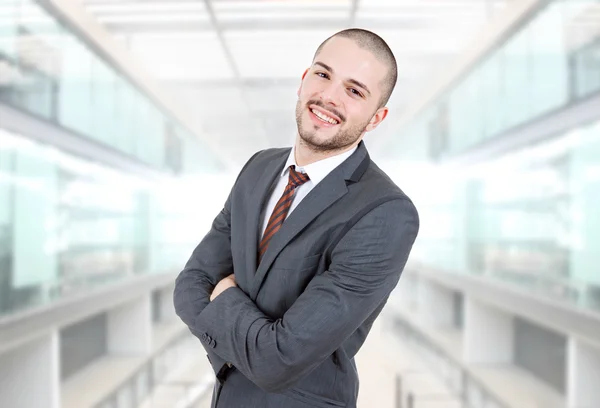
(365, 267)
(210, 262)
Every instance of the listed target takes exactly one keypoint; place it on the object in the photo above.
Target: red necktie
(281, 209)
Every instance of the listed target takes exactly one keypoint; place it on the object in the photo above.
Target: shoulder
(265, 156)
(377, 188)
(260, 159)
(384, 220)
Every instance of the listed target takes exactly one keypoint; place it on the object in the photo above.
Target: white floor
(183, 386)
(388, 368)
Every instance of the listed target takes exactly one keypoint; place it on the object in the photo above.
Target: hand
(225, 283)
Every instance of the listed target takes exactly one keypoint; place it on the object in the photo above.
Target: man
(285, 287)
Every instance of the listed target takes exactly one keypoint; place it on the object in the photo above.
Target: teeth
(323, 117)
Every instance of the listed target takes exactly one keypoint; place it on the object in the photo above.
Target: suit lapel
(256, 203)
(327, 192)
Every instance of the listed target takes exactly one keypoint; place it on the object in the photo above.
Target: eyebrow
(352, 81)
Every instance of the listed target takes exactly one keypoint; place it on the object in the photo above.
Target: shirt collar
(318, 170)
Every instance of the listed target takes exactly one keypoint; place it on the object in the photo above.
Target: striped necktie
(281, 209)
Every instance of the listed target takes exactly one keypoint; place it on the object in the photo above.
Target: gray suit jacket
(292, 327)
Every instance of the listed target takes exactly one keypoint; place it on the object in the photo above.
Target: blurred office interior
(123, 124)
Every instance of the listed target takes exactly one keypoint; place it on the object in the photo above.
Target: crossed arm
(276, 353)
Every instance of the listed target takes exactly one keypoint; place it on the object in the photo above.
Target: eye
(355, 92)
(322, 75)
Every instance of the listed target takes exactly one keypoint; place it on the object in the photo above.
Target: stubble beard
(343, 138)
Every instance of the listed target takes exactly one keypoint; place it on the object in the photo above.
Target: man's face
(339, 98)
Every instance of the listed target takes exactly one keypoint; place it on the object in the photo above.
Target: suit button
(213, 343)
(203, 337)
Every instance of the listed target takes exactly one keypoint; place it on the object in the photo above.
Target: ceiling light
(167, 6)
(280, 5)
(282, 15)
(155, 18)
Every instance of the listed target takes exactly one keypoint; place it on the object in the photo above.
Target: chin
(317, 144)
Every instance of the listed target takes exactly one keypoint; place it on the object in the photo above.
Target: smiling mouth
(323, 117)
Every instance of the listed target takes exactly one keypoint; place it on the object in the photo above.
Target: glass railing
(586, 65)
(46, 69)
(68, 224)
(528, 219)
(139, 390)
(551, 61)
(453, 374)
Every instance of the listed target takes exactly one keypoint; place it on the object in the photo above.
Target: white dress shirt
(316, 171)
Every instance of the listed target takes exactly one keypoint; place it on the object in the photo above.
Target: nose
(331, 94)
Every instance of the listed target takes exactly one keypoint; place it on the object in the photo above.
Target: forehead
(349, 61)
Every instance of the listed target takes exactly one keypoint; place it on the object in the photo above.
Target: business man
(285, 287)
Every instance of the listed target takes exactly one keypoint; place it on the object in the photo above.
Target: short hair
(372, 42)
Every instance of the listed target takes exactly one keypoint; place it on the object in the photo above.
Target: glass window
(549, 84)
(493, 105)
(430, 133)
(545, 64)
(65, 224)
(122, 116)
(583, 44)
(152, 140)
(28, 223)
(49, 71)
(457, 116)
(584, 170)
(9, 71)
(9, 11)
(472, 110)
(6, 221)
(75, 86)
(68, 224)
(30, 61)
(515, 79)
(587, 69)
(102, 101)
(529, 218)
(129, 117)
(144, 134)
(34, 217)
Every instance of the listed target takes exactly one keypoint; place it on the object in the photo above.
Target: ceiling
(240, 61)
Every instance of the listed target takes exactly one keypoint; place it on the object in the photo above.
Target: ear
(303, 75)
(379, 116)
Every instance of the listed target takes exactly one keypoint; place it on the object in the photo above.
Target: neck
(305, 154)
